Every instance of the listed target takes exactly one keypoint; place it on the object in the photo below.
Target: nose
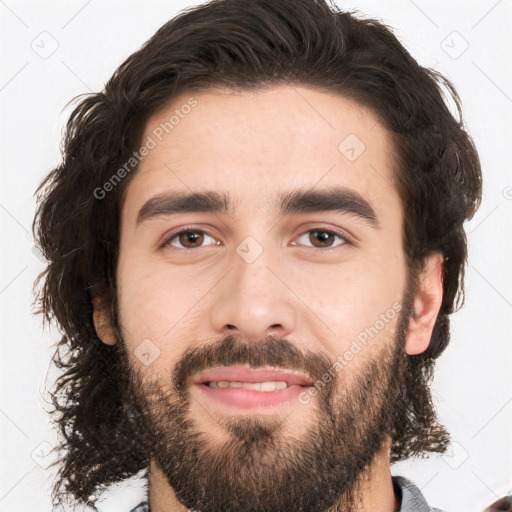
(254, 301)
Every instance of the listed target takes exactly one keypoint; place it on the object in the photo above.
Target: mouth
(241, 387)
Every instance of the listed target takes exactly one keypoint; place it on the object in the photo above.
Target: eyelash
(168, 240)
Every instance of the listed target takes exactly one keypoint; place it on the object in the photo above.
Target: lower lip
(242, 398)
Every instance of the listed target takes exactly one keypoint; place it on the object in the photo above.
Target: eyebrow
(336, 199)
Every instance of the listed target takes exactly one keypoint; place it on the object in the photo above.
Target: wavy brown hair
(242, 45)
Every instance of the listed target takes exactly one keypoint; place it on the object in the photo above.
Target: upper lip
(246, 374)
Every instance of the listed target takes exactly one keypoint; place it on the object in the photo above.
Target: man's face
(265, 291)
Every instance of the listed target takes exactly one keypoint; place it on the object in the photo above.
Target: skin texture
(255, 146)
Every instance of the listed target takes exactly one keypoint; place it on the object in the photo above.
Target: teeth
(258, 386)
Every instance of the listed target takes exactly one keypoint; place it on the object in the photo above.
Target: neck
(375, 488)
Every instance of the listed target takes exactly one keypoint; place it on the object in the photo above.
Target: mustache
(235, 350)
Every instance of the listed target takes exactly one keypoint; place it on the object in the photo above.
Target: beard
(258, 467)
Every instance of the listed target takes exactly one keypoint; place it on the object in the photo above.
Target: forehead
(256, 146)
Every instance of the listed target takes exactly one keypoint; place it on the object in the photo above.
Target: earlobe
(103, 321)
(426, 306)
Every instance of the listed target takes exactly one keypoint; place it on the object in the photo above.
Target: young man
(255, 241)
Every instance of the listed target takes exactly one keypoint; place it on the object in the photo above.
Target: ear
(427, 303)
(103, 320)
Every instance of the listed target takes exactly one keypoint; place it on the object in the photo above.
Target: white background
(472, 387)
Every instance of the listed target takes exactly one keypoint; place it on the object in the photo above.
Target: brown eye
(188, 239)
(325, 238)
(322, 238)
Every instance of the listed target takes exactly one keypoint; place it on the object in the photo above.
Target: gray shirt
(412, 499)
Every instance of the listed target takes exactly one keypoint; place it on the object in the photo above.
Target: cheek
(353, 297)
(159, 302)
